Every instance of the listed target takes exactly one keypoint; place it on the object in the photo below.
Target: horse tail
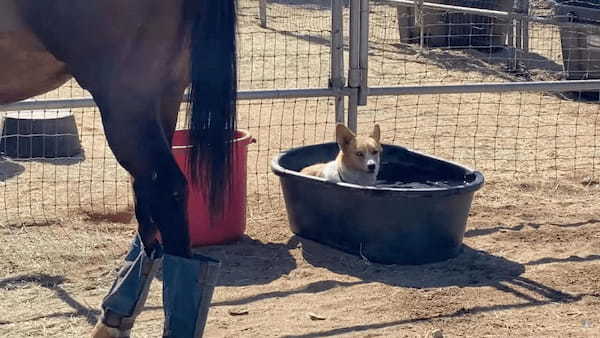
(212, 108)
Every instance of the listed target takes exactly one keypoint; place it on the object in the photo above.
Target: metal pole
(262, 13)
(354, 76)
(49, 104)
(88, 102)
(448, 8)
(513, 42)
(364, 53)
(353, 110)
(525, 12)
(354, 59)
(494, 14)
(518, 26)
(337, 56)
(540, 86)
(419, 22)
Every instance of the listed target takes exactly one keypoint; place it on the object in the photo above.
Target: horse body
(136, 58)
(106, 44)
(131, 56)
(27, 68)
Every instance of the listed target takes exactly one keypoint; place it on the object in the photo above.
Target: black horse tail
(212, 108)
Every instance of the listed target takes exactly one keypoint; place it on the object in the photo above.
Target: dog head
(359, 153)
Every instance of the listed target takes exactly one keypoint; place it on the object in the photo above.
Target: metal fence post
(336, 79)
(514, 38)
(525, 24)
(354, 75)
(262, 13)
(364, 53)
(354, 59)
(353, 110)
(419, 22)
(517, 24)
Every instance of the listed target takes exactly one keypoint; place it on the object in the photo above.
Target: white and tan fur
(357, 162)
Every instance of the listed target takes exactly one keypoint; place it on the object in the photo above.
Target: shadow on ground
(519, 227)
(9, 169)
(472, 268)
(54, 284)
(251, 262)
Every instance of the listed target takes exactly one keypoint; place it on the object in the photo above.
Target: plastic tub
(40, 134)
(410, 225)
(232, 225)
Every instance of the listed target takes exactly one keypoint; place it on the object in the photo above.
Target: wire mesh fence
(552, 134)
(292, 52)
(548, 134)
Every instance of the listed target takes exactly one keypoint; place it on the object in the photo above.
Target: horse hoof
(103, 331)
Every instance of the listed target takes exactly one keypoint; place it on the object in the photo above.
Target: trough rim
(472, 186)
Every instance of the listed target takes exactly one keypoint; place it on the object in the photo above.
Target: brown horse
(136, 58)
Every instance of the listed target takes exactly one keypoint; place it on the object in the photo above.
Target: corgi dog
(357, 162)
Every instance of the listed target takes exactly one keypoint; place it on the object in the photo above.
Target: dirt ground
(531, 260)
(529, 268)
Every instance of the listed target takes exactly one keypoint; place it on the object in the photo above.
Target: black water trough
(417, 215)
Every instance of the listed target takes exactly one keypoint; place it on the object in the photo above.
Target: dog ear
(376, 134)
(343, 135)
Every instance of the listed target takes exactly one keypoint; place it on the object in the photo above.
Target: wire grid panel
(547, 134)
(461, 48)
(293, 51)
(457, 48)
(515, 133)
(43, 189)
(279, 125)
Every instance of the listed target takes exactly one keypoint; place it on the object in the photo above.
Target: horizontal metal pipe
(450, 8)
(291, 93)
(242, 95)
(49, 104)
(550, 20)
(541, 86)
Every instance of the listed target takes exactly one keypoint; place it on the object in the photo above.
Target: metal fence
(466, 80)
(487, 87)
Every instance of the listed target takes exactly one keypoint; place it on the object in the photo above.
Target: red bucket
(232, 225)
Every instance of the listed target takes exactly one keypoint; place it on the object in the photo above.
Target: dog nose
(371, 167)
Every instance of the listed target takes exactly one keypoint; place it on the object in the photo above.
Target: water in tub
(398, 175)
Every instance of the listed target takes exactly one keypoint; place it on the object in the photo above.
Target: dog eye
(359, 154)
(375, 152)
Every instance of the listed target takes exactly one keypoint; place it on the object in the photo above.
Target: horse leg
(117, 321)
(147, 228)
(145, 153)
(160, 190)
(188, 283)
(188, 280)
(127, 295)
